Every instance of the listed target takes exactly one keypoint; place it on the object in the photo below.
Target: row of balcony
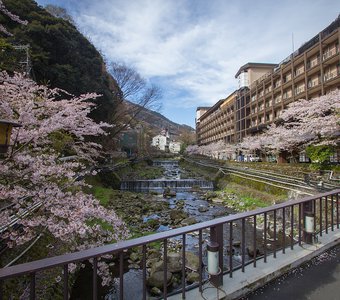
(299, 70)
(214, 132)
(312, 82)
(261, 121)
(216, 135)
(215, 118)
(211, 122)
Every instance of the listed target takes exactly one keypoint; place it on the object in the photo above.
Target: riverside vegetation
(133, 207)
(138, 211)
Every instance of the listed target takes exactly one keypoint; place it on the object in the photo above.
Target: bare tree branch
(129, 81)
(137, 95)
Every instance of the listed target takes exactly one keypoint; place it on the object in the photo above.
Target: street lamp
(5, 134)
(213, 261)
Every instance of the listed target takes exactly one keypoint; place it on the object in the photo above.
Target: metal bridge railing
(268, 230)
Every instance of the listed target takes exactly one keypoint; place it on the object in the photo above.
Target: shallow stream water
(192, 202)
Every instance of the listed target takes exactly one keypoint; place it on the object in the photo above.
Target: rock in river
(156, 279)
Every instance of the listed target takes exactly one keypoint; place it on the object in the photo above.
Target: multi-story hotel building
(216, 123)
(266, 89)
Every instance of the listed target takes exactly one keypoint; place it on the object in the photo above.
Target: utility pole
(25, 61)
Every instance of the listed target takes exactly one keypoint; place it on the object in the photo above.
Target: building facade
(266, 89)
(161, 142)
(174, 147)
(217, 123)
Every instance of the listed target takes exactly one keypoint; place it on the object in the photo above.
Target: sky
(192, 49)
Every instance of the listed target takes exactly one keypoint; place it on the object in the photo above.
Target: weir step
(160, 184)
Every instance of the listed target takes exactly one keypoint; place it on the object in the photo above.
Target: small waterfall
(165, 163)
(159, 185)
(171, 179)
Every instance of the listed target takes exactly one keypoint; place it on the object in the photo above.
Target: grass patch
(102, 194)
(190, 170)
(244, 198)
(256, 185)
(140, 170)
(103, 224)
(93, 180)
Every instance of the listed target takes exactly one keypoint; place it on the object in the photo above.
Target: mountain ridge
(158, 121)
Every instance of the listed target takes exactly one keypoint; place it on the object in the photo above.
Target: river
(185, 194)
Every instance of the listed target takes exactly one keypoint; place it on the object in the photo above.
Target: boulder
(192, 261)
(220, 213)
(174, 262)
(151, 261)
(251, 251)
(134, 256)
(193, 277)
(156, 279)
(178, 215)
(237, 243)
(155, 291)
(157, 266)
(210, 195)
(133, 266)
(188, 221)
(168, 193)
(180, 203)
(203, 208)
(230, 252)
(217, 200)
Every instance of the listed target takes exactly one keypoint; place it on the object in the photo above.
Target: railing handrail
(61, 260)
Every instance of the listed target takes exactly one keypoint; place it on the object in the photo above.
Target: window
(303, 157)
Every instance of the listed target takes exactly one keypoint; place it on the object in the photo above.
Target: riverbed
(172, 202)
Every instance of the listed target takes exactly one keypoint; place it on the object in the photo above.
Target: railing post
(216, 236)
(1, 290)
(32, 287)
(94, 278)
(308, 222)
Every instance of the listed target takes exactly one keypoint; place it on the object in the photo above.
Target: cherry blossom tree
(43, 189)
(307, 122)
(192, 150)
(219, 150)
(251, 144)
(302, 123)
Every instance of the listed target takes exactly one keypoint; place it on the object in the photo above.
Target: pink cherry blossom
(46, 190)
(304, 122)
(12, 16)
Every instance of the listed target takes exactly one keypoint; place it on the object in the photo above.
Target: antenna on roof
(292, 42)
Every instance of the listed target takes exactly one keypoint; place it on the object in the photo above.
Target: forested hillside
(60, 55)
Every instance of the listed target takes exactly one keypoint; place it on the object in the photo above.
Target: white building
(174, 147)
(161, 142)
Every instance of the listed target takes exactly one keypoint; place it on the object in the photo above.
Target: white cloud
(194, 47)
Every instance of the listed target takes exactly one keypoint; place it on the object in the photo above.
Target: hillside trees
(136, 94)
(61, 56)
(36, 177)
(11, 16)
(59, 12)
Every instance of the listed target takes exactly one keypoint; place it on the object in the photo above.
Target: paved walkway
(315, 280)
(243, 283)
